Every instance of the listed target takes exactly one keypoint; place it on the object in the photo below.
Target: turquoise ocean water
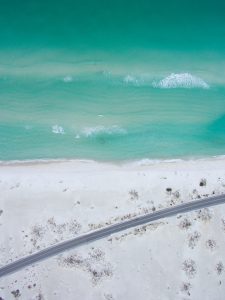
(112, 80)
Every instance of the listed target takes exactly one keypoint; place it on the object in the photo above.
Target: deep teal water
(112, 80)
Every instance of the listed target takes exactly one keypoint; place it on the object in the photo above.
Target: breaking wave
(57, 129)
(96, 131)
(181, 80)
(102, 130)
(129, 79)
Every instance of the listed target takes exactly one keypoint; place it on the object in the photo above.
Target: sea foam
(57, 129)
(98, 130)
(130, 79)
(181, 80)
(68, 79)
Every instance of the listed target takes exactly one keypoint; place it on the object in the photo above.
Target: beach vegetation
(185, 224)
(169, 190)
(186, 286)
(211, 244)
(203, 182)
(193, 239)
(16, 293)
(189, 267)
(176, 194)
(204, 215)
(219, 268)
(133, 194)
(94, 263)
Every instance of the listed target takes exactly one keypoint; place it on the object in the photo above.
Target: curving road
(104, 232)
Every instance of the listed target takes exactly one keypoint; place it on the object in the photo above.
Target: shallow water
(112, 81)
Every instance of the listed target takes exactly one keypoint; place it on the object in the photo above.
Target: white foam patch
(58, 129)
(93, 131)
(129, 79)
(68, 79)
(149, 162)
(181, 80)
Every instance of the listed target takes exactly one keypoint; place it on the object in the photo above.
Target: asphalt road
(109, 230)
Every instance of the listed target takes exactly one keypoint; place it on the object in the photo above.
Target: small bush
(185, 224)
(186, 286)
(16, 293)
(202, 182)
(169, 190)
(219, 268)
(204, 215)
(134, 194)
(176, 194)
(193, 239)
(211, 244)
(189, 266)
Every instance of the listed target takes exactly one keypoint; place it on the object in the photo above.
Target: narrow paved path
(104, 232)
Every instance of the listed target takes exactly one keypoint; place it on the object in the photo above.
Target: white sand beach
(181, 257)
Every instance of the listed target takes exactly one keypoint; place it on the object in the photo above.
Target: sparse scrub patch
(137, 231)
(74, 227)
(51, 222)
(204, 215)
(141, 230)
(176, 194)
(16, 293)
(169, 190)
(97, 254)
(108, 296)
(172, 202)
(189, 267)
(195, 194)
(219, 268)
(186, 286)
(202, 182)
(53, 232)
(94, 264)
(193, 239)
(40, 297)
(173, 196)
(98, 274)
(133, 195)
(185, 224)
(38, 231)
(61, 228)
(211, 244)
(73, 261)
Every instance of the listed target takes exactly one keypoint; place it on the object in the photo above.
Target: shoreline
(137, 162)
